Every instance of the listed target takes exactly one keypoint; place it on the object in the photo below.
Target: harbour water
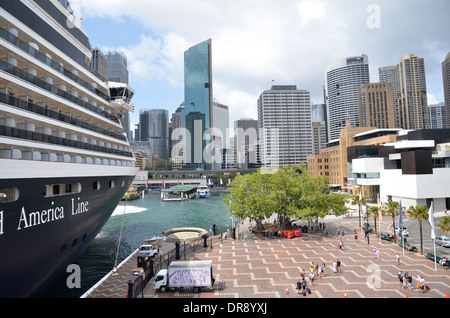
(142, 219)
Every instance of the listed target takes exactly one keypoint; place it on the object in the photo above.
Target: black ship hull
(40, 235)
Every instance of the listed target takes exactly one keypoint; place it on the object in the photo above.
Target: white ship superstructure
(62, 147)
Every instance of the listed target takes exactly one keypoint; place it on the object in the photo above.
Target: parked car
(443, 241)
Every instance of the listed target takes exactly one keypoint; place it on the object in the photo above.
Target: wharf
(269, 267)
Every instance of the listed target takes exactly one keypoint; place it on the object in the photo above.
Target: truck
(185, 274)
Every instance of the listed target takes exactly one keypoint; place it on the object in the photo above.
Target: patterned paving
(256, 267)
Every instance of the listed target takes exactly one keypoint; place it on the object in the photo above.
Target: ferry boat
(65, 162)
(202, 192)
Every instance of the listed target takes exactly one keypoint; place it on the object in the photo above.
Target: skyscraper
(342, 80)
(118, 72)
(437, 116)
(246, 140)
(389, 74)
(154, 128)
(446, 81)
(198, 103)
(376, 105)
(412, 93)
(284, 118)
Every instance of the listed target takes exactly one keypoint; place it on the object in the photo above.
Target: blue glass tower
(198, 98)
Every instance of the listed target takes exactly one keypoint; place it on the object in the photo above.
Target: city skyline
(308, 35)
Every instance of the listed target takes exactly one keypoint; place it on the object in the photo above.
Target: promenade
(260, 267)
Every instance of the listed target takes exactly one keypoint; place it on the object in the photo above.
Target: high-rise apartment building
(437, 116)
(284, 118)
(154, 128)
(342, 80)
(99, 63)
(389, 74)
(246, 141)
(198, 104)
(412, 93)
(376, 105)
(446, 81)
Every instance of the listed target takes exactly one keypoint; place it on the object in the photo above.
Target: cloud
(288, 41)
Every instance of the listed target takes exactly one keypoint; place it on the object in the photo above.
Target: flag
(431, 220)
(360, 201)
(400, 217)
(380, 215)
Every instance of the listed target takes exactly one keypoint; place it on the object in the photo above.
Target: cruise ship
(65, 162)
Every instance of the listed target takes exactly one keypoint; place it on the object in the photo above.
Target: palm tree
(373, 211)
(421, 214)
(444, 224)
(355, 201)
(391, 207)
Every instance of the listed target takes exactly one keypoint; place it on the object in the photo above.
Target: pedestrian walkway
(260, 267)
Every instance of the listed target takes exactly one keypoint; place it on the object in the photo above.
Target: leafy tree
(444, 224)
(391, 208)
(421, 214)
(291, 192)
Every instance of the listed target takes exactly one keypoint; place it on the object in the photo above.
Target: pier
(255, 266)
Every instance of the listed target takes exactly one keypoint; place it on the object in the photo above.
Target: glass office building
(154, 128)
(198, 101)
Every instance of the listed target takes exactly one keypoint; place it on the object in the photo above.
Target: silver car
(443, 241)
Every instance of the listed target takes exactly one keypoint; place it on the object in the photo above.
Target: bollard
(130, 289)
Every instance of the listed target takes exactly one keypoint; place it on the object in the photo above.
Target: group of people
(317, 270)
(406, 281)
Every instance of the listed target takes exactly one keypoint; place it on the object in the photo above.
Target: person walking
(312, 275)
(338, 265)
(356, 235)
(409, 278)
(335, 266)
(398, 259)
(323, 269)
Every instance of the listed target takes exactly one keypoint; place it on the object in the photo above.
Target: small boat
(202, 192)
(131, 194)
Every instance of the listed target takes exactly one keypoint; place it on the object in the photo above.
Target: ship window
(75, 241)
(9, 194)
(61, 189)
(122, 184)
(112, 184)
(96, 186)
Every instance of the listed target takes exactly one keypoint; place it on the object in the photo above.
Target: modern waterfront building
(446, 82)
(376, 106)
(415, 169)
(437, 116)
(176, 149)
(343, 78)
(284, 118)
(333, 160)
(389, 74)
(198, 105)
(154, 128)
(412, 93)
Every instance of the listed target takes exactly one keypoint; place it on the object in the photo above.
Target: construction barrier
(298, 233)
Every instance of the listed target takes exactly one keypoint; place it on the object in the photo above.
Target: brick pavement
(257, 267)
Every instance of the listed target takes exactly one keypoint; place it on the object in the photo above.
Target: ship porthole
(122, 184)
(112, 184)
(96, 186)
(9, 194)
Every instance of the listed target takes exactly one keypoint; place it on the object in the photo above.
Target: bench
(438, 258)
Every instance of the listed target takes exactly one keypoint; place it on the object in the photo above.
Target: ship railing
(15, 71)
(23, 104)
(11, 38)
(34, 136)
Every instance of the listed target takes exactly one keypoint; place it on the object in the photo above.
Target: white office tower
(342, 80)
(284, 116)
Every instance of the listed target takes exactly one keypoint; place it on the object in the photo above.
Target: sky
(259, 43)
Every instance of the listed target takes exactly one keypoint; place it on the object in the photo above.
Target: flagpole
(433, 234)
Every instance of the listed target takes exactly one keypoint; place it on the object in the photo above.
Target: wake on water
(129, 209)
